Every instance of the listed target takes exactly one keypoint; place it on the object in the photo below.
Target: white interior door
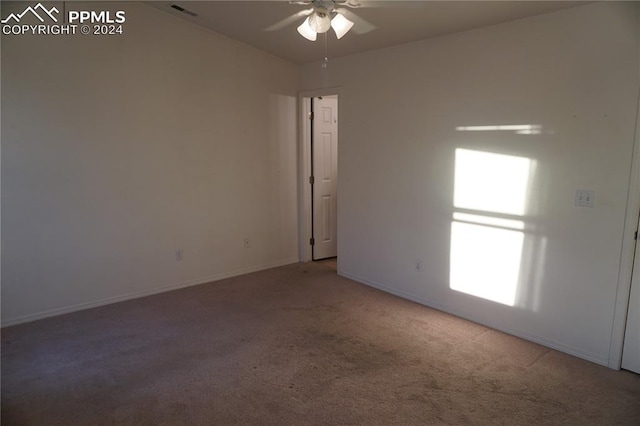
(325, 176)
(631, 349)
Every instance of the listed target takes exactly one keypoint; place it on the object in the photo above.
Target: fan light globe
(306, 31)
(320, 23)
(341, 25)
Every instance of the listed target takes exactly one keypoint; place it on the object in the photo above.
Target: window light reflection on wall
(487, 236)
(521, 129)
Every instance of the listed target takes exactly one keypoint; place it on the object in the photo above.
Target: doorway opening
(319, 177)
(324, 177)
(624, 349)
(631, 343)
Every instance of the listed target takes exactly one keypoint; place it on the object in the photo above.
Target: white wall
(573, 72)
(117, 150)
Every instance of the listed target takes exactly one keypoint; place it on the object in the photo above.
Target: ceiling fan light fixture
(320, 22)
(306, 31)
(341, 25)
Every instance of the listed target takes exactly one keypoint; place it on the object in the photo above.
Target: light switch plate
(585, 198)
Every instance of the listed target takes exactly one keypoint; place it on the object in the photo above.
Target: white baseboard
(532, 338)
(135, 295)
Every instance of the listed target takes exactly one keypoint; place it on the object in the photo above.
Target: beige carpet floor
(290, 346)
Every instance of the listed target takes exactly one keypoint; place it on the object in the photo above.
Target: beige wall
(118, 150)
(575, 74)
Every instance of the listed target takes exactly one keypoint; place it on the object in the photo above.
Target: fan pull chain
(325, 62)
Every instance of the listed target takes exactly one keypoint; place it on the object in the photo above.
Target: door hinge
(312, 241)
(311, 115)
(635, 237)
(312, 180)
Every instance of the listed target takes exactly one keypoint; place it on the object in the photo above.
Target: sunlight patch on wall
(521, 129)
(489, 182)
(487, 238)
(488, 220)
(485, 261)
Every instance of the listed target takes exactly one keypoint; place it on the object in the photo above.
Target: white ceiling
(397, 22)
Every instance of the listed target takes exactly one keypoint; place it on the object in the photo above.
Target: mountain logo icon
(34, 11)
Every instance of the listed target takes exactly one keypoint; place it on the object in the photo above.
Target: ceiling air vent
(183, 10)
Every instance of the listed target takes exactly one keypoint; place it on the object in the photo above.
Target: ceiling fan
(326, 14)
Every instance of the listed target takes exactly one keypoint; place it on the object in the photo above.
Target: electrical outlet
(179, 255)
(246, 243)
(585, 198)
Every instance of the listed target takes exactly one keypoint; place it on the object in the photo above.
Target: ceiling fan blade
(361, 26)
(289, 20)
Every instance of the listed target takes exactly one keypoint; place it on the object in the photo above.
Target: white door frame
(304, 169)
(627, 254)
